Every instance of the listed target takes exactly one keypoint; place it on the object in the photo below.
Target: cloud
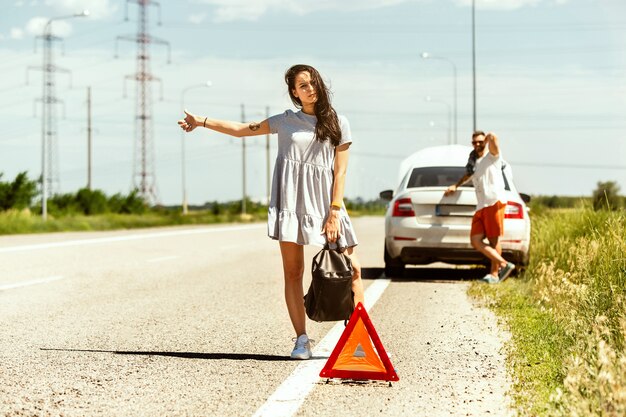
(229, 10)
(16, 33)
(196, 19)
(98, 9)
(36, 25)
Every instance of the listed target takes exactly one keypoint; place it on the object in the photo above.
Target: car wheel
(393, 267)
(526, 259)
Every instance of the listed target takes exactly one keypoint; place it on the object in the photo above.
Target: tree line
(22, 193)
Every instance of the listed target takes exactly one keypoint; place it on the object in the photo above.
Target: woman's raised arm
(237, 129)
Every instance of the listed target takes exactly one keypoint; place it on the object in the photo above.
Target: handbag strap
(337, 248)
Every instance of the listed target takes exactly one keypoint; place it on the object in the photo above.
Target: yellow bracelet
(336, 204)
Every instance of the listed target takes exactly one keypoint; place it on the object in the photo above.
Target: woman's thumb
(187, 112)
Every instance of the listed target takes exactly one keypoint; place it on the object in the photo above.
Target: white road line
(162, 259)
(290, 395)
(49, 245)
(31, 282)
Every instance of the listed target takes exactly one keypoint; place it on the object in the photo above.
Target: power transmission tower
(143, 169)
(49, 137)
(49, 145)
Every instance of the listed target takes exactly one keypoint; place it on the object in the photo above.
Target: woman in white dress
(306, 206)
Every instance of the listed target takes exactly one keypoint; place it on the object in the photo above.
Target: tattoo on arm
(254, 126)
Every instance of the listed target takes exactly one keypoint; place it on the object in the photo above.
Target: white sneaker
(505, 271)
(302, 349)
(490, 279)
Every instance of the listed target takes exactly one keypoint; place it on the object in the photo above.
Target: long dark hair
(327, 126)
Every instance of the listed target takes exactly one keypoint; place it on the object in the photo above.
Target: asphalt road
(191, 321)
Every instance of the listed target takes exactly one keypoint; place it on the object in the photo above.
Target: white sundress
(303, 182)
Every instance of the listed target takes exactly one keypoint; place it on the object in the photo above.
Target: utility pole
(144, 178)
(89, 138)
(267, 158)
(49, 140)
(243, 163)
(182, 144)
(474, 62)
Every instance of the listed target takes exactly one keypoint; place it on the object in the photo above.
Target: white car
(423, 226)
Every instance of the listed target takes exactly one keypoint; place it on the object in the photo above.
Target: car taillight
(403, 208)
(513, 210)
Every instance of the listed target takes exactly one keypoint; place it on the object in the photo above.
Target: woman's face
(305, 89)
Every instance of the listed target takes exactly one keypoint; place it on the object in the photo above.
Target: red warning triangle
(354, 356)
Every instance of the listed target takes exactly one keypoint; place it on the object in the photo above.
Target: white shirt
(488, 181)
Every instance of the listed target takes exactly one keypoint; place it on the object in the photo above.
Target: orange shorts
(489, 221)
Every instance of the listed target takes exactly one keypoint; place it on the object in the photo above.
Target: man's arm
(451, 189)
(494, 144)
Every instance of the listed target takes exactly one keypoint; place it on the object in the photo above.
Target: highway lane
(191, 321)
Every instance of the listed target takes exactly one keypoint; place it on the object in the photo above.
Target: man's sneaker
(490, 279)
(505, 271)
(302, 349)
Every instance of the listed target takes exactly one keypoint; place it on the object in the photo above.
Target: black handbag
(330, 296)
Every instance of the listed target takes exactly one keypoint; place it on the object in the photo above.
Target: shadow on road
(429, 274)
(372, 273)
(184, 355)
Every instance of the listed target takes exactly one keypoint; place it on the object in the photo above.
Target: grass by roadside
(20, 222)
(15, 222)
(567, 316)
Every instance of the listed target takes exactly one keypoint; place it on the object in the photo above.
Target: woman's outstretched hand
(189, 123)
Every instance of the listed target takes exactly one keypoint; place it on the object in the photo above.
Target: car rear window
(436, 177)
(442, 177)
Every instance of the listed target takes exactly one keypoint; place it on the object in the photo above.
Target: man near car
(484, 168)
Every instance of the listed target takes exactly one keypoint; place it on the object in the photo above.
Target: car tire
(526, 259)
(394, 268)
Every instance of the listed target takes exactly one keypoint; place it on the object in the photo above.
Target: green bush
(133, 203)
(606, 196)
(360, 206)
(540, 202)
(18, 194)
(92, 201)
(63, 204)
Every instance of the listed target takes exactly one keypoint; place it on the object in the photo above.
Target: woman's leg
(293, 269)
(357, 283)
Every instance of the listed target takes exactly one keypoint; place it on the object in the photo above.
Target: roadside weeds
(567, 316)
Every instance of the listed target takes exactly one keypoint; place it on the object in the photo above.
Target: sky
(550, 82)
